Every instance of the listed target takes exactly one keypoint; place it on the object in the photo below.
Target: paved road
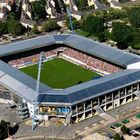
(63, 131)
(8, 114)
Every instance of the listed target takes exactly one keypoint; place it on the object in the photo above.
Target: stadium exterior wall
(86, 109)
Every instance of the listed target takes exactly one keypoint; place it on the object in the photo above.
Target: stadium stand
(88, 60)
(78, 102)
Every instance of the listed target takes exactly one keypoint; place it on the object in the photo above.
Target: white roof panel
(22, 90)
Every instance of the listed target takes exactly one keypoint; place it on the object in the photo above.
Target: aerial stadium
(78, 77)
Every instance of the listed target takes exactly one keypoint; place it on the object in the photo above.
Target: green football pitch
(59, 73)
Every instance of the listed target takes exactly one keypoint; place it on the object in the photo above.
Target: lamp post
(40, 66)
(70, 19)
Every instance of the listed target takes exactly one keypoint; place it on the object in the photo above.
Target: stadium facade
(78, 102)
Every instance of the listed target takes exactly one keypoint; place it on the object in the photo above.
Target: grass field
(59, 73)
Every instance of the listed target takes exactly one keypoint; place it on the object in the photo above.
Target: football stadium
(79, 77)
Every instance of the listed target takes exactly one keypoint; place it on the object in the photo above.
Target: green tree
(123, 1)
(122, 34)
(93, 24)
(91, 7)
(3, 130)
(38, 10)
(11, 16)
(3, 28)
(134, 16)
(75, 23)
(15, 27)
(9, 25)
(136, 43)
(50, 26)
(102, 37)
(81, 4)
(60, 6)
(107, 34)
(35, 30)
(117, 136)
(125, 130)
(115, 14)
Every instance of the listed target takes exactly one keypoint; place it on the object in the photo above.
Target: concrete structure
(5, 7)
(115, 4)
(78, 102)
(2, 3)
(96, 136)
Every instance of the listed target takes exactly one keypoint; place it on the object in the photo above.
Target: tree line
(124, 30)
(11, 26)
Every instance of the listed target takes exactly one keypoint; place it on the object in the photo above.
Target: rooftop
(100, 50)
(24, 85)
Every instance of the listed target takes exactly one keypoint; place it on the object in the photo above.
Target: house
(5, 7)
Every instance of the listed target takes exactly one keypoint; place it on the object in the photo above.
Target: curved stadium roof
(24, 85)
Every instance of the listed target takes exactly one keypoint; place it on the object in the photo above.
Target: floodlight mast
(70, 19)
(40, 64)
